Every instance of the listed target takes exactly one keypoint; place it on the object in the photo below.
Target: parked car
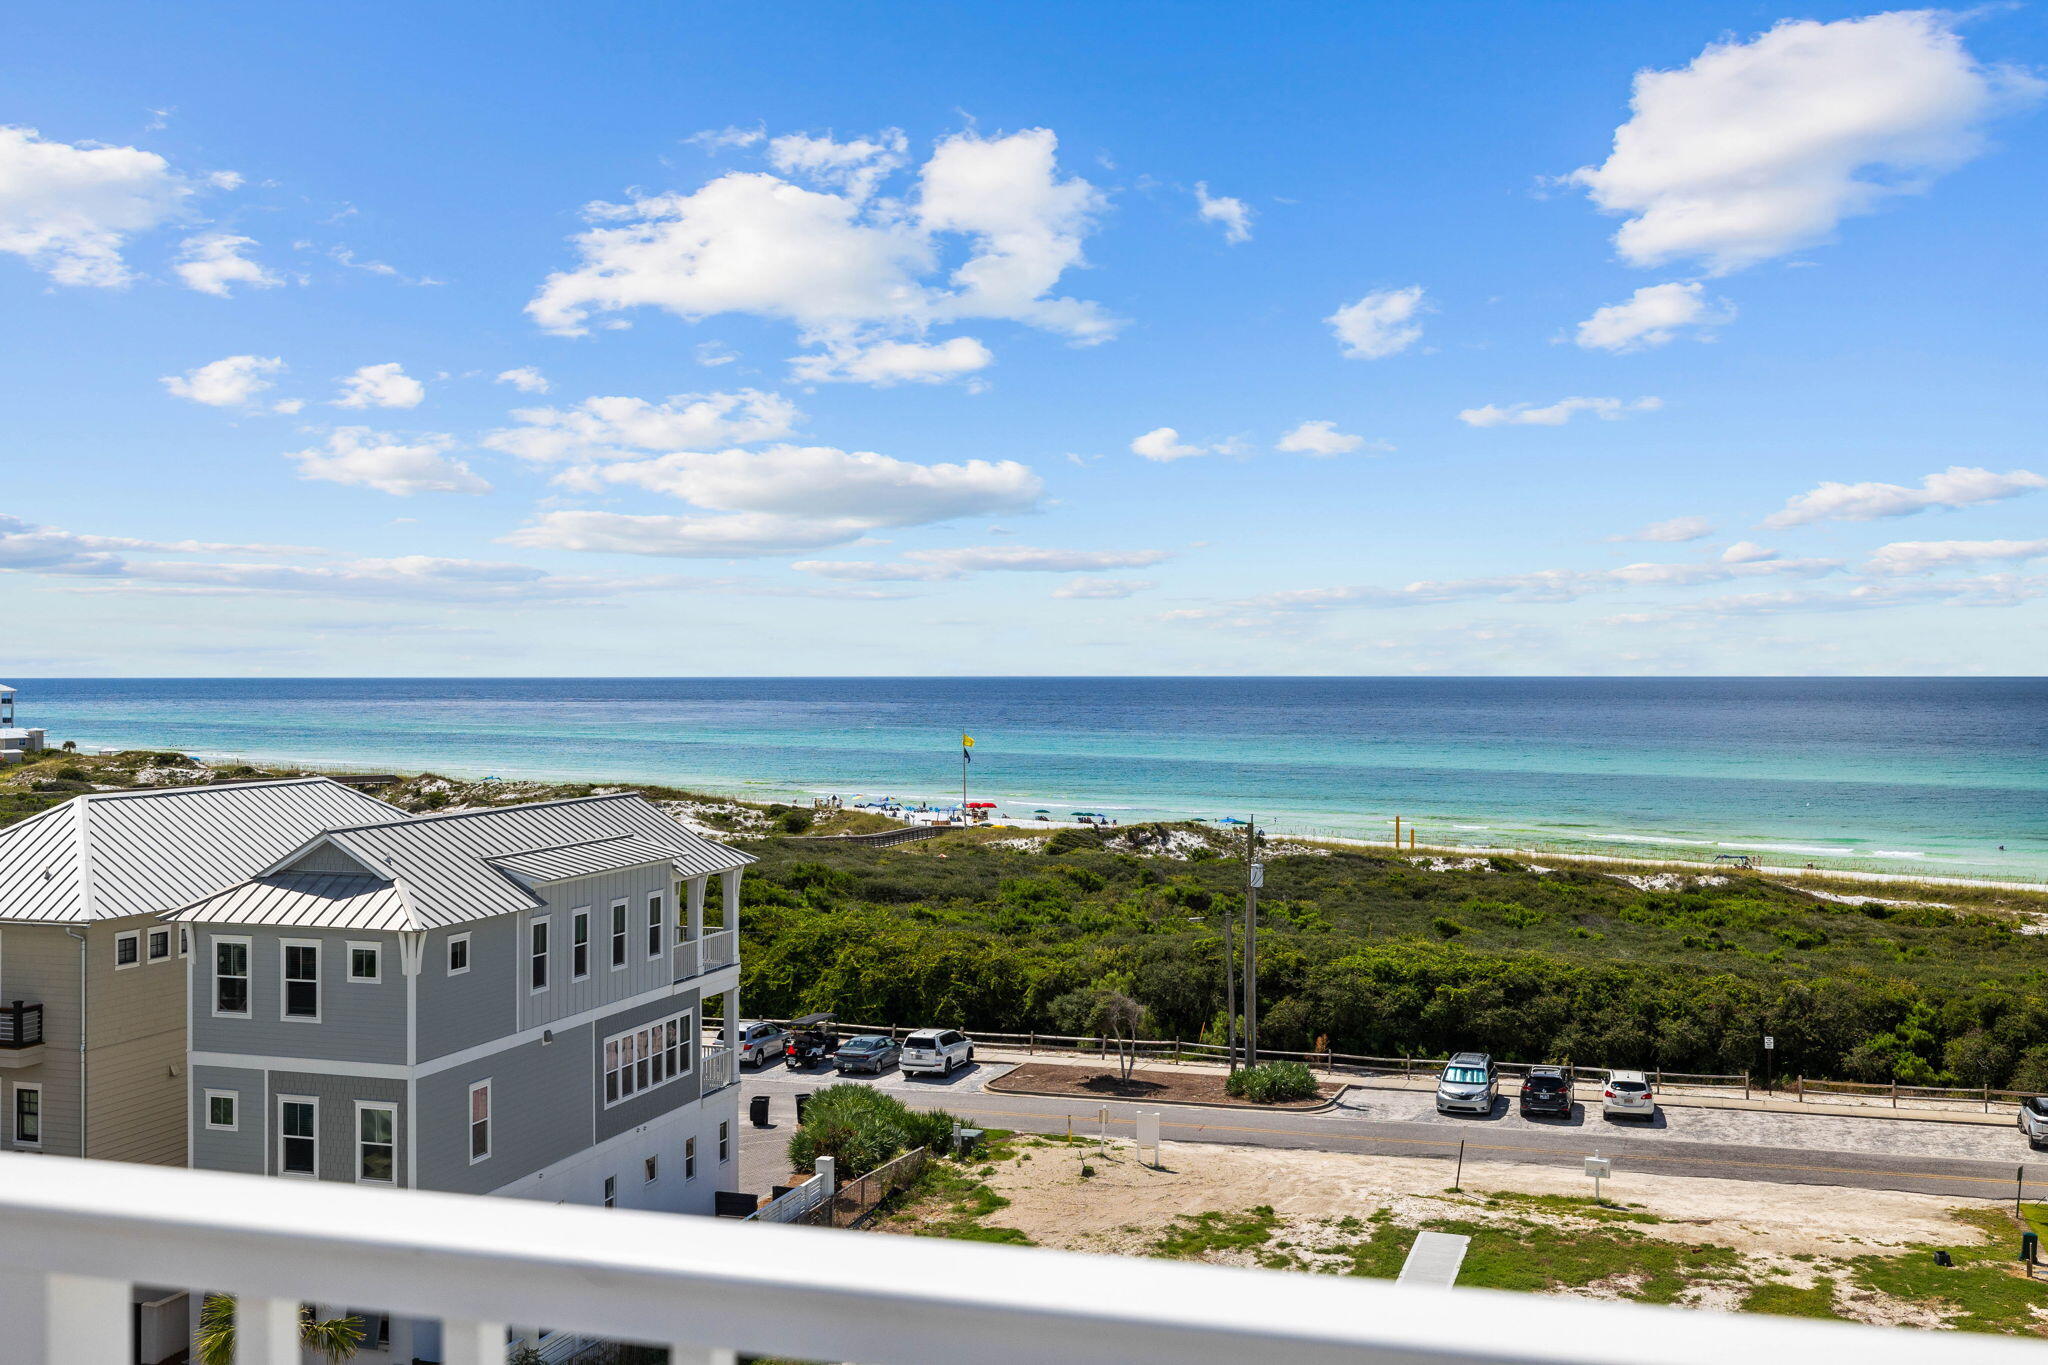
(936, 1049)
(1467, 1083)
(1546, 1090)
(759, 1041)
(867, 1052)
(1628, 1096)
(2034, 1119)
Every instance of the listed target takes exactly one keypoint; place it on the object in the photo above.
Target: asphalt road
(1397, 1123)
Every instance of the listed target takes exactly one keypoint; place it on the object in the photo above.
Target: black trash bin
(757, 1111)
(803, 1097)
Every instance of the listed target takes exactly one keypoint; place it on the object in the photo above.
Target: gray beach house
(506, 1001)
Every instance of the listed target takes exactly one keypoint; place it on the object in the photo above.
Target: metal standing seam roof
(104, 855)
(453, 869)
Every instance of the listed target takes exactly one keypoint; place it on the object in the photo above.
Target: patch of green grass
(1788, 1302)
(1197, 1234)
(946, 1201)
(1984, 1291)
(1577, 1205)
(1533, 1258)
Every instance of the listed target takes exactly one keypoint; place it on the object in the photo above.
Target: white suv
(2034, 1119)
(1628, 1096)
(935, 1049)
(759, 1042)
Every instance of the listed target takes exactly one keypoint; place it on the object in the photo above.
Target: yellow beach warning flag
(966, 743)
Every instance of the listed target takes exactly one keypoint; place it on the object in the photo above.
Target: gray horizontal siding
(649, 1104)
(242, 1150)
(458, 1012)
(337, 1096)
(359, 1022)
(541, 1101)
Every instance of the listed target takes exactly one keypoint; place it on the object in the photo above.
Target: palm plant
(336, 1338)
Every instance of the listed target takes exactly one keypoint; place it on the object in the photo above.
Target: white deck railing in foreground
(75, 1234)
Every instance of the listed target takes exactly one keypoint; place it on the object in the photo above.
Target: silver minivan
(1467, 1085)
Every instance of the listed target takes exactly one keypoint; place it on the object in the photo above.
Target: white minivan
(935, 1049)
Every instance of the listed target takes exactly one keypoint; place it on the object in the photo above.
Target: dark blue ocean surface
(1881, 773)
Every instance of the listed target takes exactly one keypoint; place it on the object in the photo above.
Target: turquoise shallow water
(1894, 774)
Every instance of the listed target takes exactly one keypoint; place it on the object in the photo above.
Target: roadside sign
(1148, 1134)
(1599, 1168)
(1258, 874)
(1769, 1042)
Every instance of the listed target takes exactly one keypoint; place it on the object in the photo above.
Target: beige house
(92, 980)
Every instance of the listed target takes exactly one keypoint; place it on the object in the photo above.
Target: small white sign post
(1598, 1167)
(1148, 1134)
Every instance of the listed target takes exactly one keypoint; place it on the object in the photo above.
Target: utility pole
(1255, 873)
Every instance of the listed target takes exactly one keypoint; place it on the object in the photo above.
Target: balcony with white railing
(721, 949)
(689, 958)
(717, 1069)
(75, 1235)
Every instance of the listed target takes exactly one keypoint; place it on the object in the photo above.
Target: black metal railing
(21, 1024)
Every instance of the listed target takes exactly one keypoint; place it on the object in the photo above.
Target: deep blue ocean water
(1881, 773)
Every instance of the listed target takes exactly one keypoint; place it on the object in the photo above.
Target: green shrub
(795, 821)
(1074, 841)
(861, 1128)
(1273, 1083)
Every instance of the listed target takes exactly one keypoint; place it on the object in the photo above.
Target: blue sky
(676, 339)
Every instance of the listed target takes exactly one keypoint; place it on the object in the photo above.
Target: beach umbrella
(1041, 811)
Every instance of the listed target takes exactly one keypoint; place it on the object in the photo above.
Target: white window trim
(468, 955)
(611, 1191)
(184, 941)
(469, 1121)
(392, 1109)
(724, 1141)
(546, 922)
(621, 944)
(349, 965)
(284, 947)
(580, 919)
(657, 938)
(149, 941)
(133, 936)
(248, 977)
(689, 1158)
(14, 1138)
(686, 1046)
(282, 1101)
(233, 1097)
(650, 1170)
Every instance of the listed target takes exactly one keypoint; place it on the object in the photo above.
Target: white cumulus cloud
(1652, 316)
(389, 464)
(847, 267)
(1925, 556)
(526, 379)
(69, 210)
(1956, 486)
(745, 536)
(1234, 216)
(1320, 438)
(1759, 148)
(212, 263)
(381, 386)
(1555, 414)
(228, 382)
(620, 428)
(1747, 552)
(886, 363)
(1675, 531)
(1381, 324)
(1164, 445)
(1103, 589)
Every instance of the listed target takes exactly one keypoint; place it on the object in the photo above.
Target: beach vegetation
(861, 1128)
(1272, 1083)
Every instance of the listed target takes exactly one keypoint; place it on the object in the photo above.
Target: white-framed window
(159, 944)
(689, 1158)
(127, 950)
(298, 967)
(223, 1110)
(231, 977)
(579, 944)
(366, 962)
(654, 935)
(479, 1121)
(724, 1142)
(648, 1055)
(458, 954)
(184, 941)
(537, 973)
(376, 1143)
(651, 1169)
(618, 934)
(26, 1124)
(298, 1136)
(611, 1191)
